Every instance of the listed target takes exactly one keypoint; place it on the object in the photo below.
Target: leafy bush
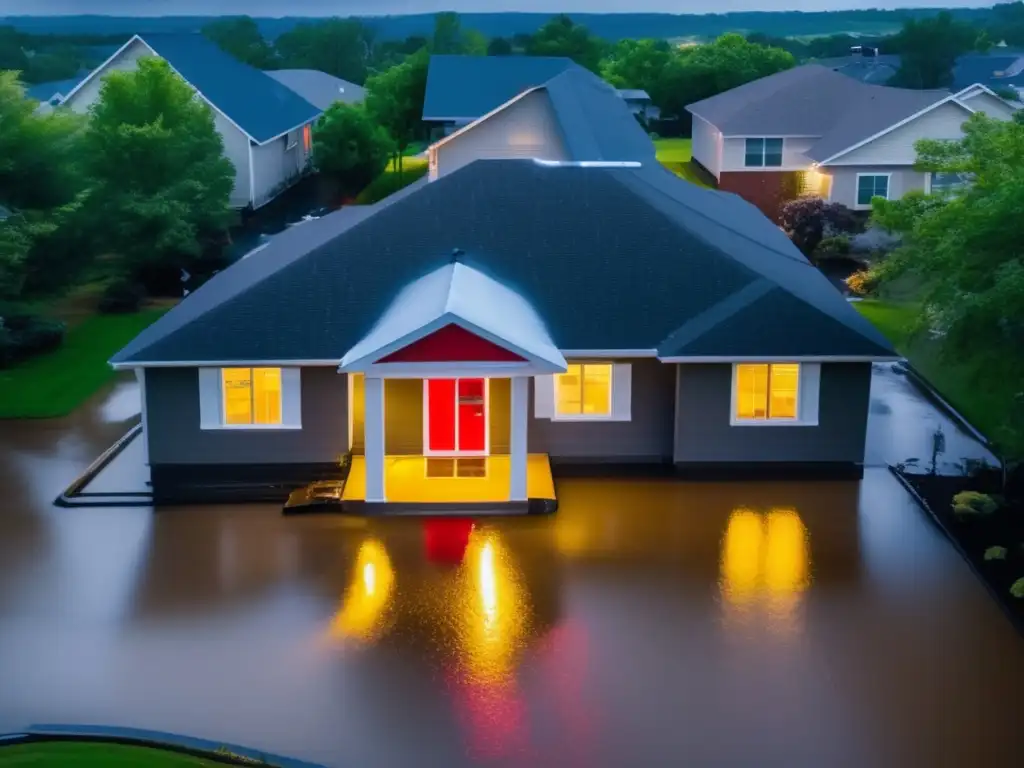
(23, 335)
(836, 247)
(121, 297)
(862, 283)
(973, 503)
(1017, 588)
(996, 553)
(809, 220)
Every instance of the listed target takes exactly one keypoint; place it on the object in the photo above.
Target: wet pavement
(645, 624)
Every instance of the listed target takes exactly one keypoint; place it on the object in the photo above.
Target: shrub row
(24, 334)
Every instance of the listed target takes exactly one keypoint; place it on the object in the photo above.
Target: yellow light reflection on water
(493, 608)
(367, 597)
(765, 561)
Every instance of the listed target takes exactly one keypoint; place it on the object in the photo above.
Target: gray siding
(236, 149)
(276, 167)
(526, 129)
(844, 182)
(703, 432)
(707, 145)
(172, 414)
(646, 437)
(125, 61)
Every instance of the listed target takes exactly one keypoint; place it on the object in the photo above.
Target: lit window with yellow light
(251, 396)
(767, 391)
(585, 389)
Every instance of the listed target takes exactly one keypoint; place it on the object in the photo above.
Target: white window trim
(621, 395)
(764, 152)
(487, 421)
(211, 386)
(804, 375)
(610, 416)
(859, 206)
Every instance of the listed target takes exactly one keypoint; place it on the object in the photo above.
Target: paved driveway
(659, 623)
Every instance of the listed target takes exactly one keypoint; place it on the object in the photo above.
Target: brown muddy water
(645, 624)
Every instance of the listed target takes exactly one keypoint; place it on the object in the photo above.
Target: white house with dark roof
(265, 125)
(811, 130)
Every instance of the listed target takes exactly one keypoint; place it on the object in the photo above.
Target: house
(511, 319)
(51, 94)
(811, 130)
(574, 116)
(865, 64)
(319, 88)
(639, 103)
(265, 126)
(461, 89)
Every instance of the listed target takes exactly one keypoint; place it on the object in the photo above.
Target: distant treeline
(609, 26)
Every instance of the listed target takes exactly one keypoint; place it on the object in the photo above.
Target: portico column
(373, 437)
(517, 437)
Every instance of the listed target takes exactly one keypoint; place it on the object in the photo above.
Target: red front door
(456, 414)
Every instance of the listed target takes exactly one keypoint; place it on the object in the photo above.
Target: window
(307, 137)
(585, 389)
(763, 153)
(291, 141)
(871, 185)
(771, 392)
(250, 398)
(949, 184)
(251, 395)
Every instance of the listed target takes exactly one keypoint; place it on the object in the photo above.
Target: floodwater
(645, 624)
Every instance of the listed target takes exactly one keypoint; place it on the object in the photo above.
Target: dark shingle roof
(319, 88)
(993, 70)
(812, 100)
(256, 102)
(468, 87)
(596, 123)
(611, 258)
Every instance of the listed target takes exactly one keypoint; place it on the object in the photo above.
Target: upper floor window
(950, 183)
(871, 185)
(763, 153)
(775, 393)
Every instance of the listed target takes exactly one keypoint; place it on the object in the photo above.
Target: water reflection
(765, 564)
(366, 600)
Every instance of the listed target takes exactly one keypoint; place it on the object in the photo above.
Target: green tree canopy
(160, 181)
(636, 63)
(350, 146)
(449, 36)
(929, 48)
(339, 47)
(394, 98)
(499, 46)
(561, 36)
(702, 71)
(241, 37)
(967, 250)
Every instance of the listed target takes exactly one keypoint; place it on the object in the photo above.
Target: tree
(562, 37)
(499, 46)
(394, 98)
(965, 252)
(1007, 23)
(449, 36)
(702, 71)
(241, 37)
(349, 146)
(636, 63)
(930, 47)
(160, 181)
(40, 181)
(809, 220)
(339, 47)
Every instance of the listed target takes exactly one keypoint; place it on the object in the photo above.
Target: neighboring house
(51, 94)
(319, 88)
(266, 126)
(868, 66)
(511, 317)
(810, 130)
(461, 89)
(639, 103)
(574, 116)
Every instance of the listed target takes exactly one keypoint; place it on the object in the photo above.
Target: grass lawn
(71, 754)
(57, 383)
(675, 154)
(389, 182)
(958, 381)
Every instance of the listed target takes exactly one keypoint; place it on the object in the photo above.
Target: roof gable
(468, 87)
(563, 239)
(452, 343)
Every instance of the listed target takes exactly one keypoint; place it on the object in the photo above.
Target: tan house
(811, 130)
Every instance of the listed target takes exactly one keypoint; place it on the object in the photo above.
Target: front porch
(453, 484)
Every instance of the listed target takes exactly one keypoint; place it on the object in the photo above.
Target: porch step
(319, 496)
